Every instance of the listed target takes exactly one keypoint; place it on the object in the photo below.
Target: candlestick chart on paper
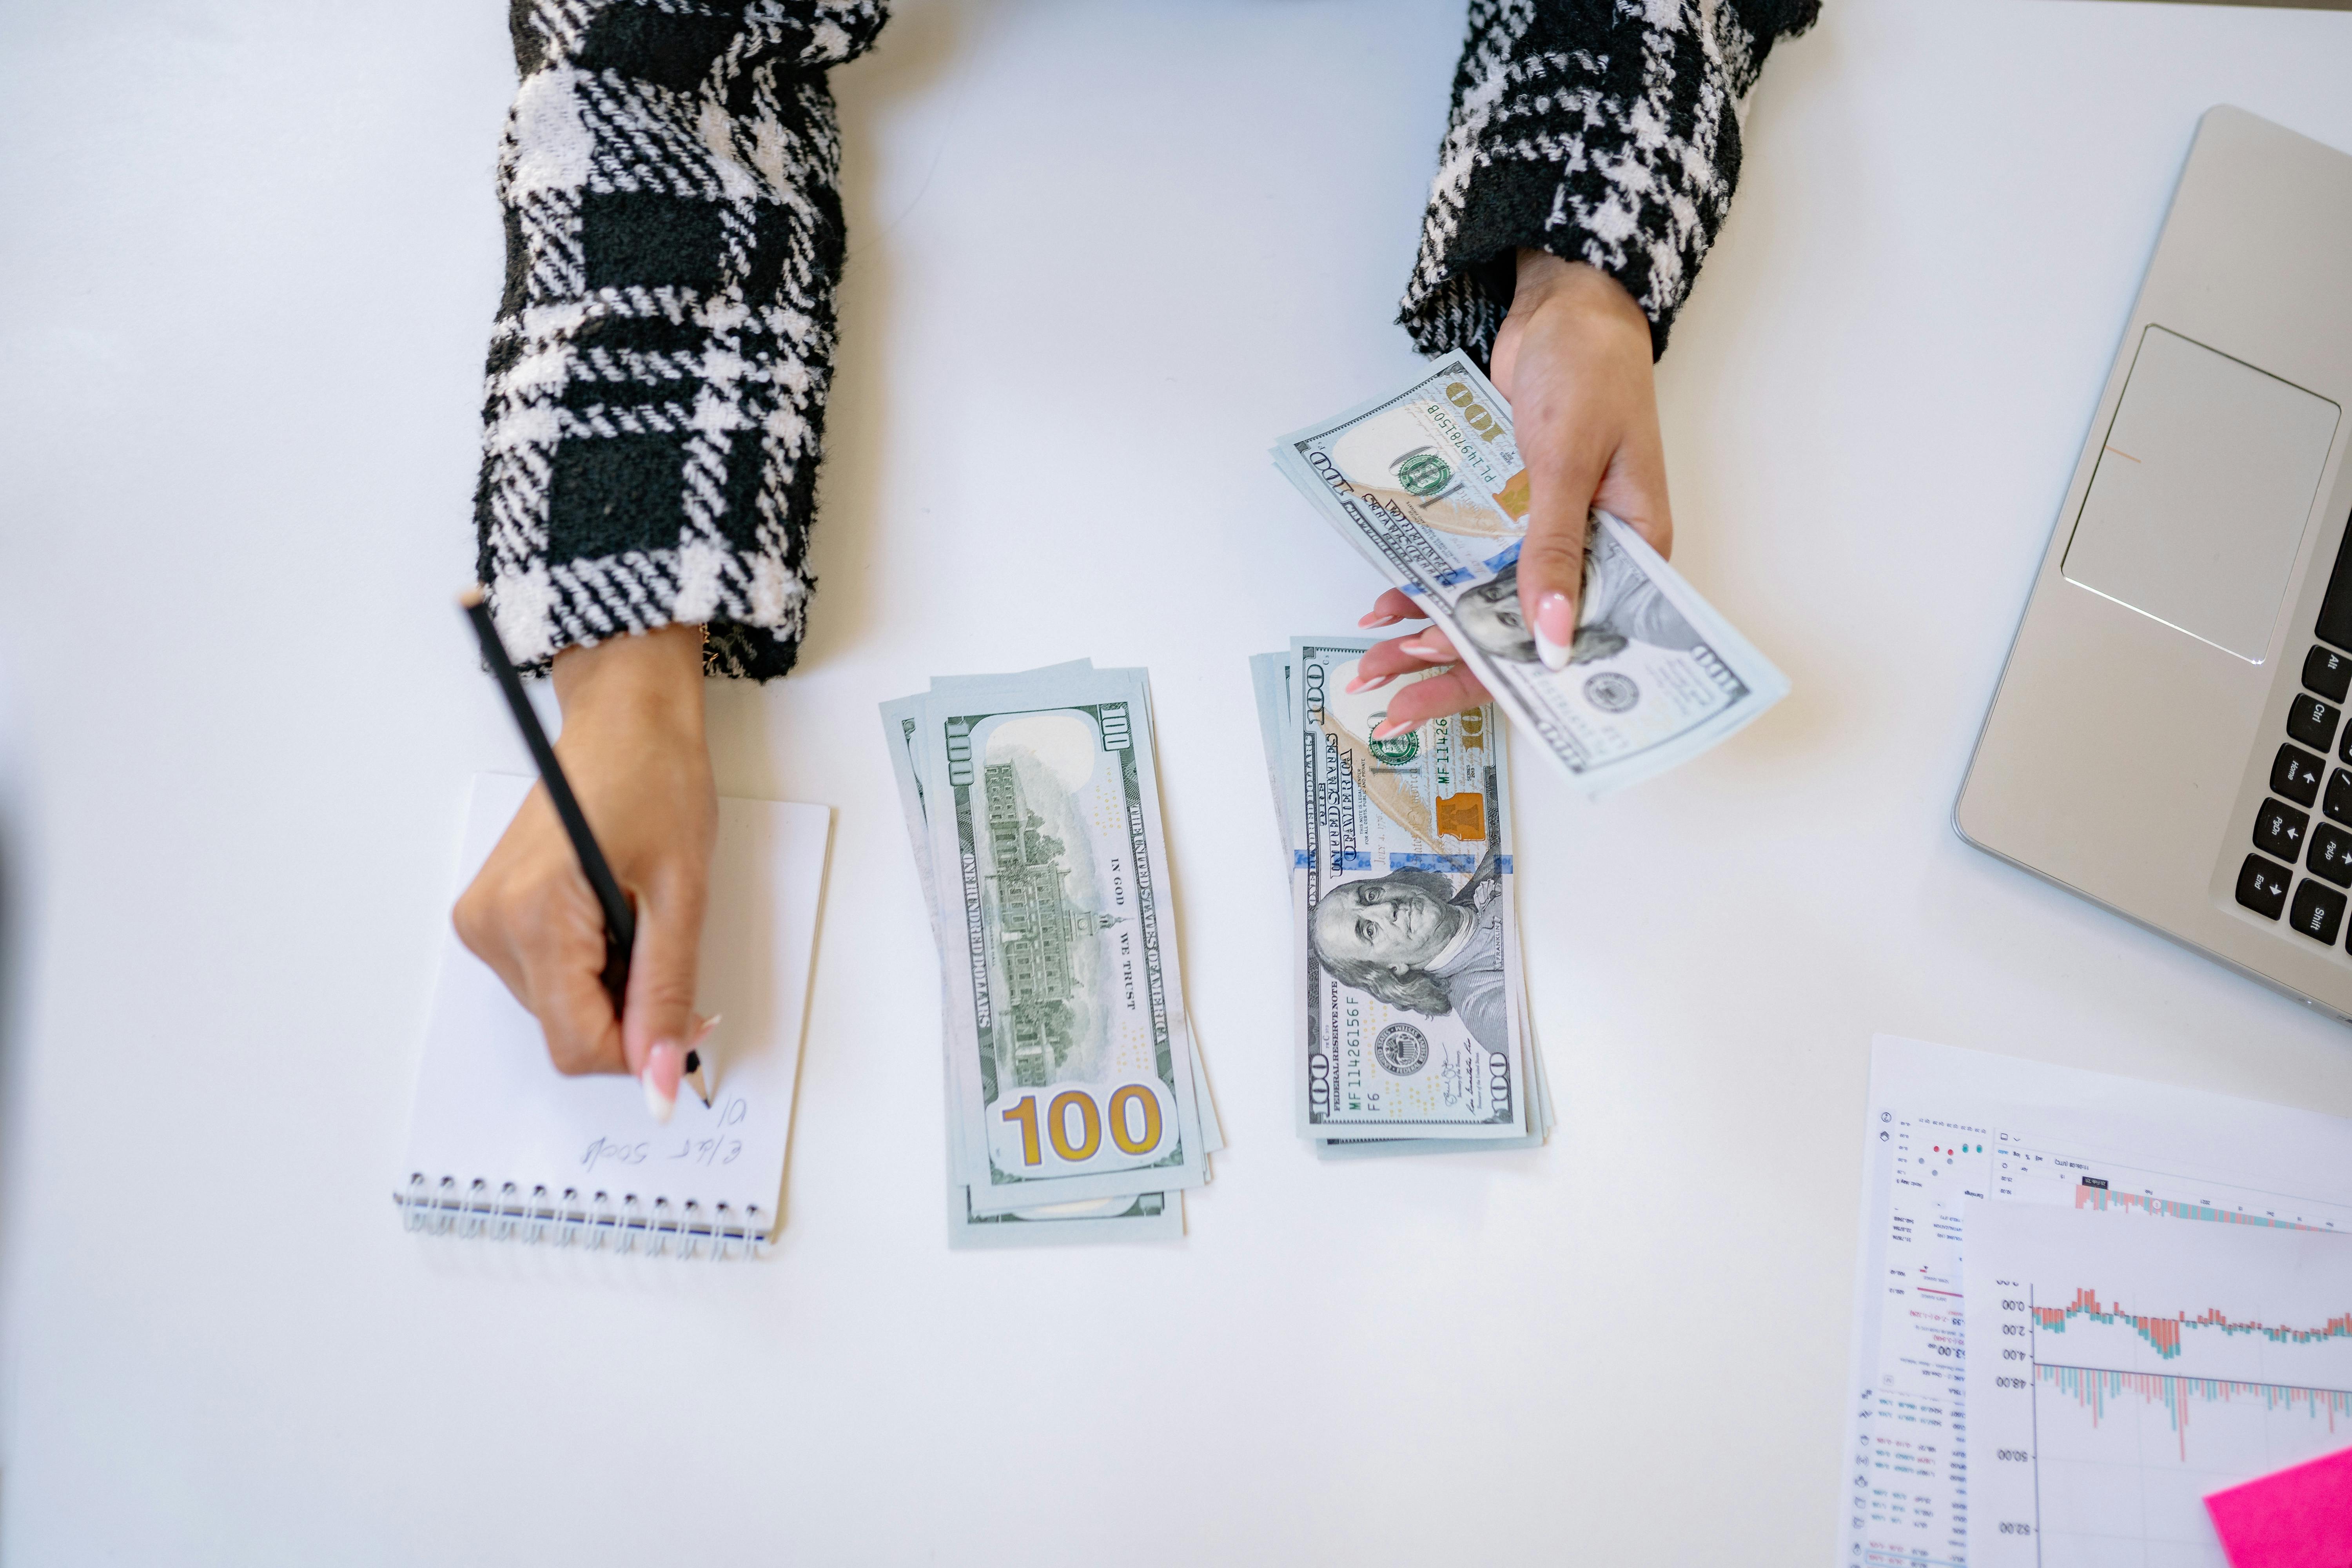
(2124, 1370)
(1951, 1134)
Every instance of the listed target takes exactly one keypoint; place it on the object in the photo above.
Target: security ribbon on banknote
(1429, 487)
(1406, 935)
(1438, 801)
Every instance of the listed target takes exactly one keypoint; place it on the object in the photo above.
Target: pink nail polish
(1555, 629)
(664, 1064)
(1377, 619)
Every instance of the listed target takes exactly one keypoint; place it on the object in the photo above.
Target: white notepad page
(491, 1110)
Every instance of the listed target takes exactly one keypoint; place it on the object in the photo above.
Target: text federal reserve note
(1402, 919)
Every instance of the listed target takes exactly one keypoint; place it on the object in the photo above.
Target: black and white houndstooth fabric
(657, 374)
(1601, 131)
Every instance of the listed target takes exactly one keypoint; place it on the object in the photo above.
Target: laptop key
(2338, 803)
(2318, 912)
(2331, 854)
(2262, 887)
(2279, 830)
(2294, 773)
(2328, 672)
(2312, 723)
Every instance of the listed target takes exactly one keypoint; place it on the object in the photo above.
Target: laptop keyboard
(2286, 837)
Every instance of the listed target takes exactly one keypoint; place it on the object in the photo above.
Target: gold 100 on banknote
(1077, 1109)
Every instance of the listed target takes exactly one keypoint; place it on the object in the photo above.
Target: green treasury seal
(1424, 473)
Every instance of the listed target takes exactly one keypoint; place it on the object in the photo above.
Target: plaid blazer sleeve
(656, 375)
(1602, 130)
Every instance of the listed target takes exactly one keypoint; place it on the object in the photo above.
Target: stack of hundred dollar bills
(1076, 1107)
(1412, 1035)
(1428, 486)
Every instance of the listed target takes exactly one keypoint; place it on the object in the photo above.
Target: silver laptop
(2168, 737)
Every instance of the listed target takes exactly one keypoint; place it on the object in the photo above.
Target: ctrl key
(2318, 912)
(2262, 887)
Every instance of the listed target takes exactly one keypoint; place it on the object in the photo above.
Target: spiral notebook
(504, 1147)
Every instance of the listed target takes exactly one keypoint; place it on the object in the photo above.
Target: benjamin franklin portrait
(1413, 940)
(1620, 606)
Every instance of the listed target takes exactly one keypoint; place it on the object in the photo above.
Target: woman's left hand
(1573, 356)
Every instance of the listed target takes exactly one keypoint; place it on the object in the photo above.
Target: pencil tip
(471, 595)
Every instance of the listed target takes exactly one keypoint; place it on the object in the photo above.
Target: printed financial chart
(1908, 1504)
(2124, 1365)
(1955, 1134)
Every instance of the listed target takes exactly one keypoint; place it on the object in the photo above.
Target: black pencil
(620, 921)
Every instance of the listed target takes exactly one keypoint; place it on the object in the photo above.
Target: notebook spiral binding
(594, 1221)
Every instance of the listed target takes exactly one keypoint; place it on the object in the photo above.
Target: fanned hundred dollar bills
(1412, 1033)
(1077, 1106)
(1428, 486)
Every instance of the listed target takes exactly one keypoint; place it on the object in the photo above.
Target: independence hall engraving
(1034, 927)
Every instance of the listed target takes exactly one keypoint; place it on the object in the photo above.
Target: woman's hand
(1573, 356)
(633, 747)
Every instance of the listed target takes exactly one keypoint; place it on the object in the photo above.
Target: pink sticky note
(2300, 1518)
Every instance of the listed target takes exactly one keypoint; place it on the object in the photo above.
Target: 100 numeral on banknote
(1070, 1079)
(1407, 936)
(1430, 488)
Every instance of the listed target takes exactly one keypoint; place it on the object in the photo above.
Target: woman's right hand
(633, 749)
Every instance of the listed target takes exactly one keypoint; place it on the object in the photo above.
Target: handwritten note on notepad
(501, 1143)
(2299, 1518)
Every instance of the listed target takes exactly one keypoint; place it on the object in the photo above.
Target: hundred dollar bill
(1270, 681)
(1540, 1115)
(1140, 1217)
(902, 722)
(1406, 938)
(1428, 485)
(1143, 1217)
(1070, 1059)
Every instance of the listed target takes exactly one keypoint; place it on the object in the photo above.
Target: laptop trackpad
(2198, 505)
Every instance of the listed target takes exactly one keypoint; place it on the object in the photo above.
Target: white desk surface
(1102, 254)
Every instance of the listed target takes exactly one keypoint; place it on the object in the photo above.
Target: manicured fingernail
(1434, 652)
(709, 1025)
(1555, 628)
(1367, 682)
(664, 1063)
(1392, 727)
(1377, 619)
